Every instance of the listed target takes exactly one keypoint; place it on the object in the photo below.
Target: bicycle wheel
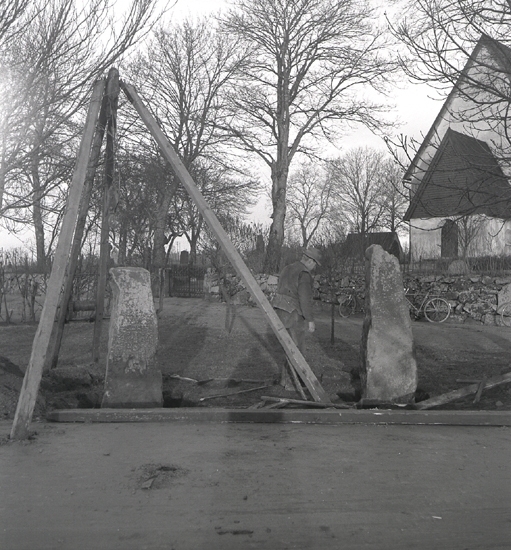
(505, 314)
(437, 310)
(346, 305)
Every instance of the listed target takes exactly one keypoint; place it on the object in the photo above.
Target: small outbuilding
(357, 243)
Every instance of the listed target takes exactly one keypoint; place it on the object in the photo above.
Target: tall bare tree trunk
(279, 175)
(37, 218)
(3, 170)
(123, 243)
(280, 172)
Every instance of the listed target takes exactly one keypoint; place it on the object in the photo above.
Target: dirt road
(197, 486)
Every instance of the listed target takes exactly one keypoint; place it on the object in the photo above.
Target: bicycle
(505, 314)
(436, 310)
(348, 303)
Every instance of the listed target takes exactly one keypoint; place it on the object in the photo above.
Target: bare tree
(228, 196)
(358, 175)
(182, 75)
(311, 61)
(469, 230)
(441, 39)
(143, 177)
(11, 12)
(394, 196)
(310, 202)
(49, 69)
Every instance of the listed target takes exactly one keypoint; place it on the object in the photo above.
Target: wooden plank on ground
(480, 389)
(295, 357)
(286, 401)
(33, 374)
(305, 416)
(463, 392)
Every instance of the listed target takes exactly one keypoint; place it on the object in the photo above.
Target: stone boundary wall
(473, 298)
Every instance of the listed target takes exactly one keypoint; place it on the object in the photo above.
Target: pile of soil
(211, 356)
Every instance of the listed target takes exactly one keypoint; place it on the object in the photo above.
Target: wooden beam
(78, 236)
(287, 401)
(112, 94)
(33, 374)
(463, 392)
(295, 357)
(480, 389)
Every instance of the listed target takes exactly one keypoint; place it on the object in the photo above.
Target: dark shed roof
(388, 240)
(463, 178)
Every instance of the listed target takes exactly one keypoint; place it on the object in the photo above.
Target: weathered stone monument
(458, 267)
(389, 369)
(133, 379)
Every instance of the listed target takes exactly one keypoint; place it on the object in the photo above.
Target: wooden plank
(285, 400)
(218, 395)
(480, 389)
(33, 374)
(78, 236)
(463, 392)
(305, 416)
(295, 357)
(112, 94)
(297, 383)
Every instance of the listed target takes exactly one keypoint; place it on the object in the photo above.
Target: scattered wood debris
(480, 390)
(228, 381)
(463, 392)
(284, 401)
(177, 377)
(365, 403)
(232, 393)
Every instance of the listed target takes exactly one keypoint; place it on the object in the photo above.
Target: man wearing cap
(293, 302)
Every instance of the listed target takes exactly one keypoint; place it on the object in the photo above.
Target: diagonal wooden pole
(293, 353)
(112, 94)
(33, 374)
(78, 236)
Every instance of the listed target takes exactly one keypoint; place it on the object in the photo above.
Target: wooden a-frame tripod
(101, 115)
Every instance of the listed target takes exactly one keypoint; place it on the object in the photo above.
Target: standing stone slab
(389, 369)
(133, 379)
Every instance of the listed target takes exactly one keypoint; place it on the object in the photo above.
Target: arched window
(449, 245)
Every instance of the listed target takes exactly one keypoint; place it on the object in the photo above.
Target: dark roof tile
(463, 178)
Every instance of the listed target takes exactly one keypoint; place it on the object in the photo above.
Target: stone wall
(473, 298)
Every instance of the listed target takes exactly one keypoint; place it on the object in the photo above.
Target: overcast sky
(415, 109)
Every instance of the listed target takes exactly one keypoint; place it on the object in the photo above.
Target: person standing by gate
(293, 303)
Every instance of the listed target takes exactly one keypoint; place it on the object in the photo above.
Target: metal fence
(185, 281)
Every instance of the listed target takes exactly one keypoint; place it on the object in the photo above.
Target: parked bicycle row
(434, 308)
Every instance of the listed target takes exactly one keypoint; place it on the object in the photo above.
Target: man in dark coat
(293, 302)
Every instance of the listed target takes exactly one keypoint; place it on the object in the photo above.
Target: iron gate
(186, 281)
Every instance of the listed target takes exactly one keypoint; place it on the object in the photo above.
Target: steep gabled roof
(499, 52)
(463, 178)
